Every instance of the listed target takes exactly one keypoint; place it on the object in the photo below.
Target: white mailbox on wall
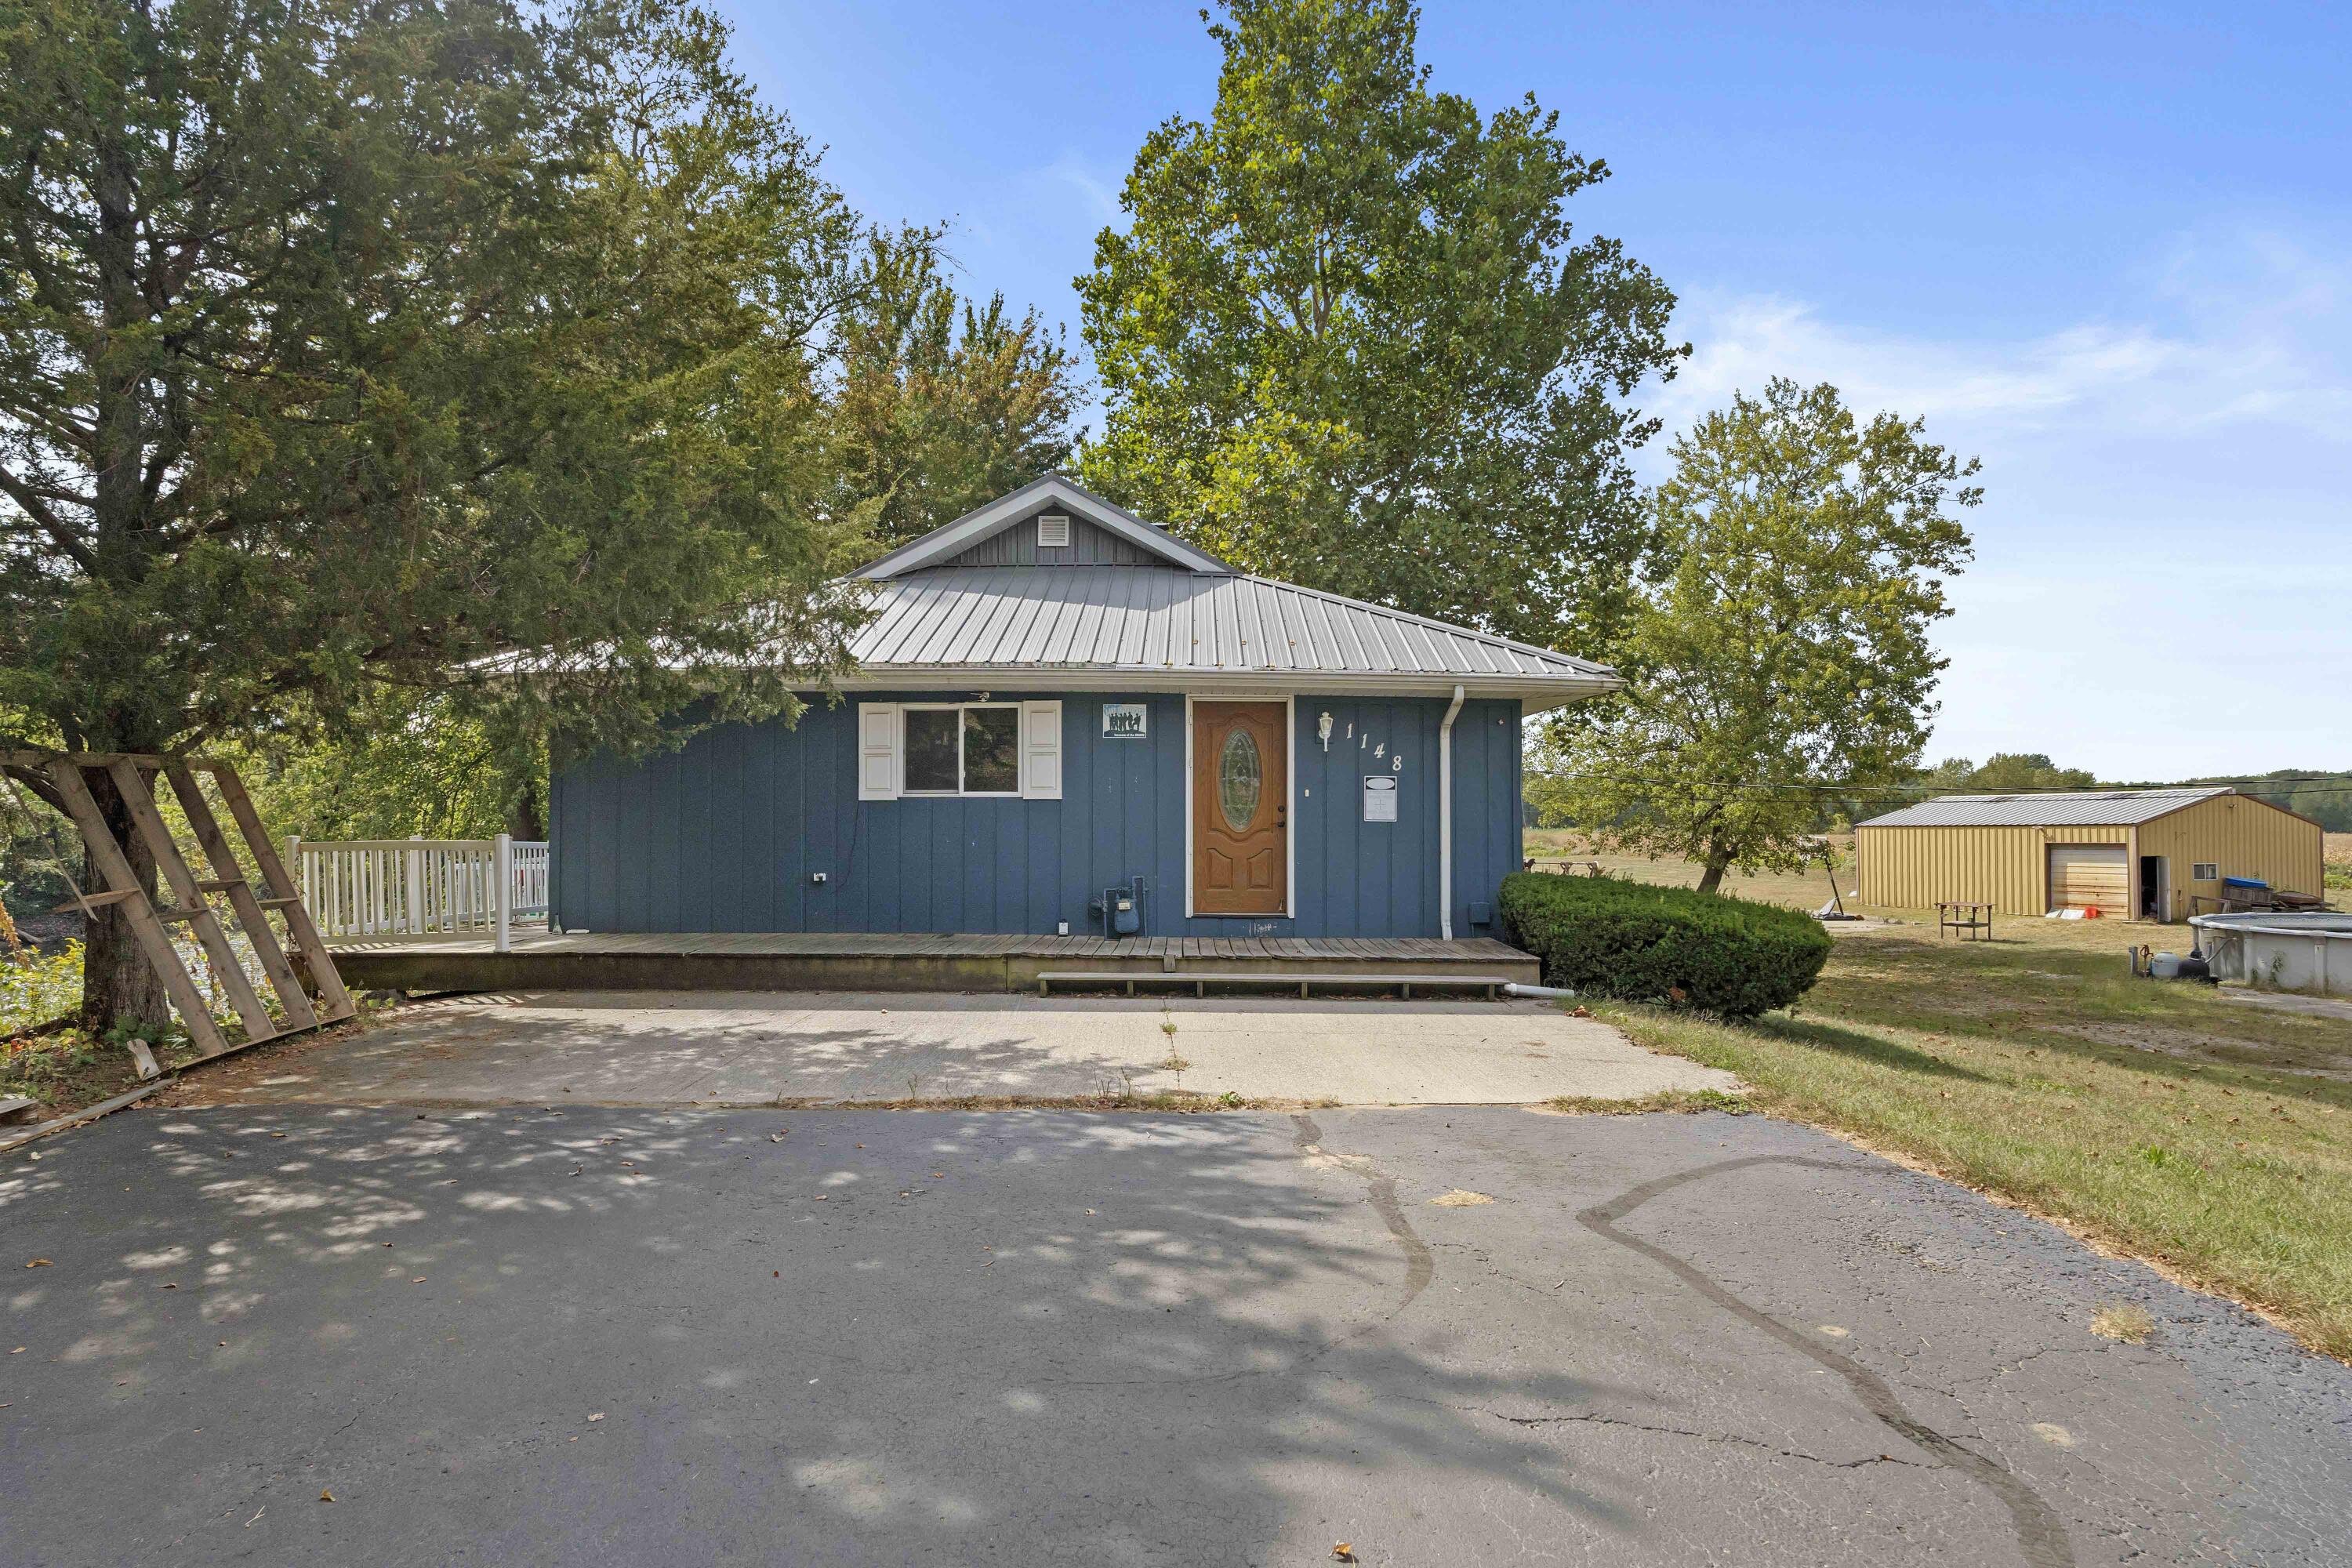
(1380, 797)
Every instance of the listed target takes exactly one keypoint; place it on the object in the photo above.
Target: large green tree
(940, 403)
(1348, 338)
(2011, 773)
(347, 343)
(1778, 653)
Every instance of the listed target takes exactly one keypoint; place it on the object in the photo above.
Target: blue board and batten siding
(725, 835)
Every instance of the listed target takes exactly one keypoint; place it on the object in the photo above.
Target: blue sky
(2107, 249)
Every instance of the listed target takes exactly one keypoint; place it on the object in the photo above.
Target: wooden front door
(1240, 798)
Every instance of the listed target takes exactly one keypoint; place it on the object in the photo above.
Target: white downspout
(1446, 820)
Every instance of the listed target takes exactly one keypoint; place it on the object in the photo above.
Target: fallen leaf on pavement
(40, 1263)
(598, 1417)
(325, 1496)
(1343, 1550)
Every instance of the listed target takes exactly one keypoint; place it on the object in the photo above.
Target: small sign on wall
(1380, 797)
(1124, 721)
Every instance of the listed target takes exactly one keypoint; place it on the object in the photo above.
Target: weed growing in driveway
(2121, 1321)
(1174, 1062)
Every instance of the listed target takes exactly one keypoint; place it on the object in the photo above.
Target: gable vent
(1054, 530)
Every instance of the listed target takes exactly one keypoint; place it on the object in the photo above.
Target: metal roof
(2081, 808)
(1149, 627)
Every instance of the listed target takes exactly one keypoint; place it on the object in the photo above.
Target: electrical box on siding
(1380, 797)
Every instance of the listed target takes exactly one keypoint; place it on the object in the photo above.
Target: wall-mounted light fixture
(1323, 729)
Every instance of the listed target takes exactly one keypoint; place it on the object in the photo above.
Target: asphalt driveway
(653, 1047)
(594, 1336)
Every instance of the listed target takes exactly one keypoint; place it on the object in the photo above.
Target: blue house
(1065, 718)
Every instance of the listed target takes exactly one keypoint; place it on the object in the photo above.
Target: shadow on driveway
(868, 1337)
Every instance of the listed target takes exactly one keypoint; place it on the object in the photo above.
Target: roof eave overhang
(1540, 694)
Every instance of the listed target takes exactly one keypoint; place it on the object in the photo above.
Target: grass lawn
(2210, 1136)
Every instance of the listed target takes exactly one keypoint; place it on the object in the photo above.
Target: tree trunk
(1712, 876)
(528, 821)
(118, 984)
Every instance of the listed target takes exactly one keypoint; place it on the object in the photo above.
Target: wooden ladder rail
(148, 924)
(335, 1002)
(250, 915)
(65, 773)
(201, 918)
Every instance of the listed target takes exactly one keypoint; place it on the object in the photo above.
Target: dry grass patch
(1682, 1099)
(2121, 1321)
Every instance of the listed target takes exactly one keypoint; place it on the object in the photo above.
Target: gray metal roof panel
(1136, 618)
(2080, 808)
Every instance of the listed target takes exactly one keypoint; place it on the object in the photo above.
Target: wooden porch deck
(784, 961)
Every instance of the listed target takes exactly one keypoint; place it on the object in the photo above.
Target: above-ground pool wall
(726, 834)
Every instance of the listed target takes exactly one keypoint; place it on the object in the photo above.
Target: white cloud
(2269, 343)
(1073, 172)
(2164, 576)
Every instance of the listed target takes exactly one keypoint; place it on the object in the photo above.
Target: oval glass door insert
(1241, 779)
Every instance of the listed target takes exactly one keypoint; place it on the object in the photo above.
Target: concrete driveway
(1442, 1336)
(642, 1047)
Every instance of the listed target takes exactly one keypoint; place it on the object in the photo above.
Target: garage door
(2089, 876)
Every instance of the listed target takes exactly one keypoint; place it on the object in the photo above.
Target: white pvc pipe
(1446, 820)
(1549, 993)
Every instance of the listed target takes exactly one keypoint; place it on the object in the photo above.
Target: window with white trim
(962, 748)
(989, 750)
(2204, 871)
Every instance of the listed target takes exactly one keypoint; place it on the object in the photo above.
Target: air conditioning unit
(1054, 530)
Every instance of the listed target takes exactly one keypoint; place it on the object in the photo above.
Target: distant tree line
(2323, 796)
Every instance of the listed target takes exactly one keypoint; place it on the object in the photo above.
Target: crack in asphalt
(1595, 1418)
(2041, 1535)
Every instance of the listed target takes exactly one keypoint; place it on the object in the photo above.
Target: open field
(2211, 1136)
(2339, 853)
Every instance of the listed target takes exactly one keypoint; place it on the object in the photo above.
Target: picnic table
(1968, 919)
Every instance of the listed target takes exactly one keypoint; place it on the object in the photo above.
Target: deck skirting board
(851, 961)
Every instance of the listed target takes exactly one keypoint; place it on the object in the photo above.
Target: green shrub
(1610, 938)
(36, 986)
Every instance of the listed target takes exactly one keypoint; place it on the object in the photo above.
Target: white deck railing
(359, 889)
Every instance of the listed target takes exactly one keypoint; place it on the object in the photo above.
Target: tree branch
(63, 537)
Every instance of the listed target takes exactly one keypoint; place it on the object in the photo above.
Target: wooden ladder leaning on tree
(130, 775)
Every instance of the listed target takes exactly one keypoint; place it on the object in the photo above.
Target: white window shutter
(879, 765)
(1041, 751)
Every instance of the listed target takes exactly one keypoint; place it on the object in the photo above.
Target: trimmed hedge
(1607, 937)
